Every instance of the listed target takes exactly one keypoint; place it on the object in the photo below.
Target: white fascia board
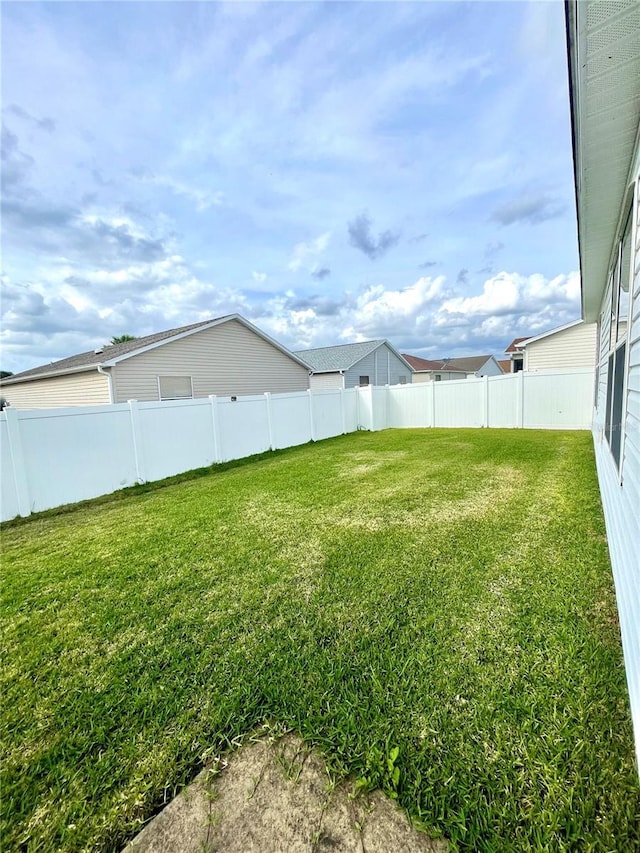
(204, 328)
(552, 332)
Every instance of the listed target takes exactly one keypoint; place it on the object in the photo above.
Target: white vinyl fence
(50, 457)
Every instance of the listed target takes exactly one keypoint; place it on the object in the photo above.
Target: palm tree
(122, 339)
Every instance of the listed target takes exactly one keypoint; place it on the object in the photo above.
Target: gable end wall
(382, 366)
(227, 359)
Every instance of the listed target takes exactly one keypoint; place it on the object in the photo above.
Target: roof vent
(98, 350)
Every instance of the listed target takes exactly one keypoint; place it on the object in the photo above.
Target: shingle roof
(93, 359)
(470, 363)
(342, 357)
(505, 364)
(513, 346)
(429, 364)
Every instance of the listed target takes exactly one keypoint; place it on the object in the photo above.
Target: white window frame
(169, 376)
(632, 199)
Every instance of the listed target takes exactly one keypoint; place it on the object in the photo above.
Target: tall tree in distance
(122, 339)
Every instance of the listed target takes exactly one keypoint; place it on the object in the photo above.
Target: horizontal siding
(445, 376)
(382, 366)
(490, 368)
(620, 491)
(227, 360)
(571, 348)
(77, 389)
(326, 381)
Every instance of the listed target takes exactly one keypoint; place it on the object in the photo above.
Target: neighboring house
(516, 356)
(427, 370)
(227, 356)
(350, 365)
(569, 346)
(604, 82)
(505, 364)
(475, 365)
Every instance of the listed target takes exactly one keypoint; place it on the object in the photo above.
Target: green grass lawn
(445, 593)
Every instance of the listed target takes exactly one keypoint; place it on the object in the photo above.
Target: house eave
(603, 50)
(550, 333)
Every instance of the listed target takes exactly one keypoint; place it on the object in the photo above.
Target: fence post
(342, 412)
(267, 396)
(387, 406)
(214, 426)
(485, 401)
(433, 402)
(312, 429)
(520, 400)
(17, 462)
(138, 449)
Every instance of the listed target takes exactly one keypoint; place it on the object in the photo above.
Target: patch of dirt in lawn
(275, 795)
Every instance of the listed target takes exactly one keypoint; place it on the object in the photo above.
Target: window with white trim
(620, 283)
(175, 388)
(364, 380)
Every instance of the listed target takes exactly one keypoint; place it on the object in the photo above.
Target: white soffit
(605, 66)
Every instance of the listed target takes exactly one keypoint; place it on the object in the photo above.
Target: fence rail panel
(74, 454)
(9, 504)
(459, 403)
(503, 401)
(176, 436)
(244, 426)
(561, 401)
(290, 420)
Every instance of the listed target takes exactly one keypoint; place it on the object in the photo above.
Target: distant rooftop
(342, 357)
(467, 364)
(513, 346)
(429, 364)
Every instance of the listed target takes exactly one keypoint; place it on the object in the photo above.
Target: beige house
(569, 346)
(227, 356)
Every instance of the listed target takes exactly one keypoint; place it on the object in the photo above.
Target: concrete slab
(275, 796)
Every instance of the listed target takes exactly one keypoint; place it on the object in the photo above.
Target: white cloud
(203, 199)
(306, 254)
(507, 293)
(259, 277)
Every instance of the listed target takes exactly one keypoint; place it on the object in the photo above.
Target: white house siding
(574, 347)
(326, 381)
(490, 368)
(620, 490)
(445, 376)
(382, 366)
(228, 359)
(77, 389)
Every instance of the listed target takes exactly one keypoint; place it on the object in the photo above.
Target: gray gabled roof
(110, 354)
(343, 356)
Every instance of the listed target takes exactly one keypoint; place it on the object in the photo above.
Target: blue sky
(332, 171)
